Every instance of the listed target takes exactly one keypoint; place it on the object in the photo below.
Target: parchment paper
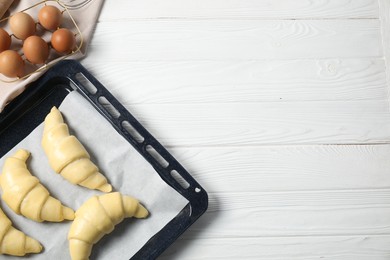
(125, 169)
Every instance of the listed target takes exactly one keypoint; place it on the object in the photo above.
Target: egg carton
(68, 22)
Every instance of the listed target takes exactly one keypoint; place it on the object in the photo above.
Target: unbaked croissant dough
(97, 217)
(68, 156)
(15, 242)
(26, 196)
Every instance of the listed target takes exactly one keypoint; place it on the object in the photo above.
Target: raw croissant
(97, 217)
(15, 242)
(26, 196)
(68, 156)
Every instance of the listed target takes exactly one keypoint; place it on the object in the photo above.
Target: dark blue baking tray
(30, 108)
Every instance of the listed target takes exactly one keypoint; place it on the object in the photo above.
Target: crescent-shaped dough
(98, 217)
(68, 156)
(15, 242)
(26, 196)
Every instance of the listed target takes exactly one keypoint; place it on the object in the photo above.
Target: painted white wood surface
(241, 9)
(280, 109)
(244, 81)
(178, 40)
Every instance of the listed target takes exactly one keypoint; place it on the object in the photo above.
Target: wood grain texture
(282, 248)
(240, 9)
(178, 40)
(314, 213)
(244, 81)
(385, 30)
(279, 108)
(288, 168)
(267, 123)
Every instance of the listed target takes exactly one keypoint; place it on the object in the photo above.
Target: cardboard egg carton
(68, 22)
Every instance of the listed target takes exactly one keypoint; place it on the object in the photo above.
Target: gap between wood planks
(272, 145)
(231, 19)
(189, 237)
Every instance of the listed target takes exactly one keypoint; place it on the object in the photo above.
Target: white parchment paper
(125, 169)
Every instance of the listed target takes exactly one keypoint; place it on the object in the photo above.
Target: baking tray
(30, 108)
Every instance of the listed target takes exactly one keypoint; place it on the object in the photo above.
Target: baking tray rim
(64, 77)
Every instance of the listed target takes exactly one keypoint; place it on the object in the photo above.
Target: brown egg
(22, 25)
(36, 50)
(63, 41)
(11, 64)
(50, 17)
(5, 40)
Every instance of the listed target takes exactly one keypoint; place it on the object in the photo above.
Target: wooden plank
(267, 123)
(244, 81)
(178, 40)
(311, 213)
(292, 248)
(384, 17)
(287, 168)
(239, 9)
(216, 81)
(385, 30)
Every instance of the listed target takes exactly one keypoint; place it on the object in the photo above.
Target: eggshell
(5, 40)
(11, 64)
(22, 25)
(50, 17)
(63, 40)
(36, 50)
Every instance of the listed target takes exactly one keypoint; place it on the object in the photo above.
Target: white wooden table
(279, 108)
